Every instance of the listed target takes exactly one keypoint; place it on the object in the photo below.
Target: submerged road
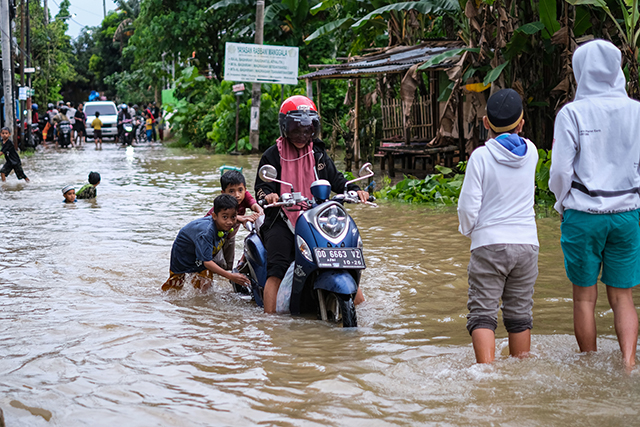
(87, 338)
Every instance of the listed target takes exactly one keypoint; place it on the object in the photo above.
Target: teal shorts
(608, 241)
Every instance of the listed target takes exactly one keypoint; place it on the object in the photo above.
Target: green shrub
(439, 189)
(444, 188)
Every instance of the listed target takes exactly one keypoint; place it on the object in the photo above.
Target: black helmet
(50, 106)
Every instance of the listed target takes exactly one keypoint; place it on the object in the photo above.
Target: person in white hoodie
(595, 177)
(496, 211)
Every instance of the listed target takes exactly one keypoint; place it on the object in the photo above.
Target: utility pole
(7, 65)
(104, 8)
(46, 13)
(21, 131)
(29, 100)
(256, 91)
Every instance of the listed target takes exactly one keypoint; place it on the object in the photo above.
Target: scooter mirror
(268, 173)
(365, 169)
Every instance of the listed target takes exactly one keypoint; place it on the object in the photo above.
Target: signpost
(253, 63)
(258, 63)
(238, 90)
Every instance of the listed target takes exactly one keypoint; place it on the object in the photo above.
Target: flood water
(88, 338)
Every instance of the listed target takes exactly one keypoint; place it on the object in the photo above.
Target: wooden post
(256, 88)
(356, 127)
(309, 89)
(434, 89)
(237, 118)
(318, 106)
(461, 141)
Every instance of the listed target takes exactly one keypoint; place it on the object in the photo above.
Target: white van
(108, 116)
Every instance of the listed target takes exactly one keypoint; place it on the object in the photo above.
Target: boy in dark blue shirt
(197, 244)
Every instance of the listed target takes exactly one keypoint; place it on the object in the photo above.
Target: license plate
(339, 257)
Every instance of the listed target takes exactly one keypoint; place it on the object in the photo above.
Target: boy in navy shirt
(197, 244)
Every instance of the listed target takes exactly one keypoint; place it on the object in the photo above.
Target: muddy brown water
(87, 338)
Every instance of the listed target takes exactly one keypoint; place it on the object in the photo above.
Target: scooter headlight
(333, 220)
(304, 248)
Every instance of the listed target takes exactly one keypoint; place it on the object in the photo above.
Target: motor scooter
(127, 132)
(328, 253)
(64, 133)
(36, 135)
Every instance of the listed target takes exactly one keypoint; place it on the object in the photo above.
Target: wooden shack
(410, 117)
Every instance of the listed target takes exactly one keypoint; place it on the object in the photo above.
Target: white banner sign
(253, 63)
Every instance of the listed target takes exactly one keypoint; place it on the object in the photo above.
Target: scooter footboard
(336, 281)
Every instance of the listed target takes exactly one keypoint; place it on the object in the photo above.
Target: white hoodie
(597, 138)
(497, 196)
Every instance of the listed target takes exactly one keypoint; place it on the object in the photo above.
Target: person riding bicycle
(299, 158)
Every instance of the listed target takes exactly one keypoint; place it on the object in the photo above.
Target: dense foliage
(149, 45)
(444, 187)
(438, 189)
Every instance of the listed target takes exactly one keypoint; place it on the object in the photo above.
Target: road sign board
(238, 88)
(254, 63)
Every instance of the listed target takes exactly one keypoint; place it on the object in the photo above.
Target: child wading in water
(96, 124)
(12, 158)
(496, 210)
(69, 194)
(199, 242)
(234, 184)
(88, 191)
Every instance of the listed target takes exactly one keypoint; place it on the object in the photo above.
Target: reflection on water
(88, 338)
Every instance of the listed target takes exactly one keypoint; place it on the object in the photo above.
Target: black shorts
(78, 126)
(97, 133)
(278, 241)
(8, 167)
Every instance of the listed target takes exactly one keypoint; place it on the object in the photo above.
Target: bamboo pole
(318, 105)
(356, 135)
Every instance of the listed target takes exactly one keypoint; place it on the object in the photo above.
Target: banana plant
(628, 35)
(403, 22)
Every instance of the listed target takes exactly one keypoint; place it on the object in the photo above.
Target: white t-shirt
(71, 113)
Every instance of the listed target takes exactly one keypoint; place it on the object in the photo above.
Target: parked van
(108, 116)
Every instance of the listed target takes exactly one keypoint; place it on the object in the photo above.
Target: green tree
(108, 56)
(50, 53)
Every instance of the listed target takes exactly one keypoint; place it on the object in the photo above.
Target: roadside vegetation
(147, 46)
(443, 188)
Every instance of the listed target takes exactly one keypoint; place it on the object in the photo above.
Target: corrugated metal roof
(393, 61)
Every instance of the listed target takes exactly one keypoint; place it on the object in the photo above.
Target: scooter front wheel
(336, 308)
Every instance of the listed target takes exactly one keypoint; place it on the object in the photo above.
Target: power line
(16, 44)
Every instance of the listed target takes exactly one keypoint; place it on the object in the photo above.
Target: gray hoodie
(596, 152)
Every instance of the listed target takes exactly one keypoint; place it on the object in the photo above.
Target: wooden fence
(421, 120)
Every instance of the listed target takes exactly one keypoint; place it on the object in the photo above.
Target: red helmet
(298, 111)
